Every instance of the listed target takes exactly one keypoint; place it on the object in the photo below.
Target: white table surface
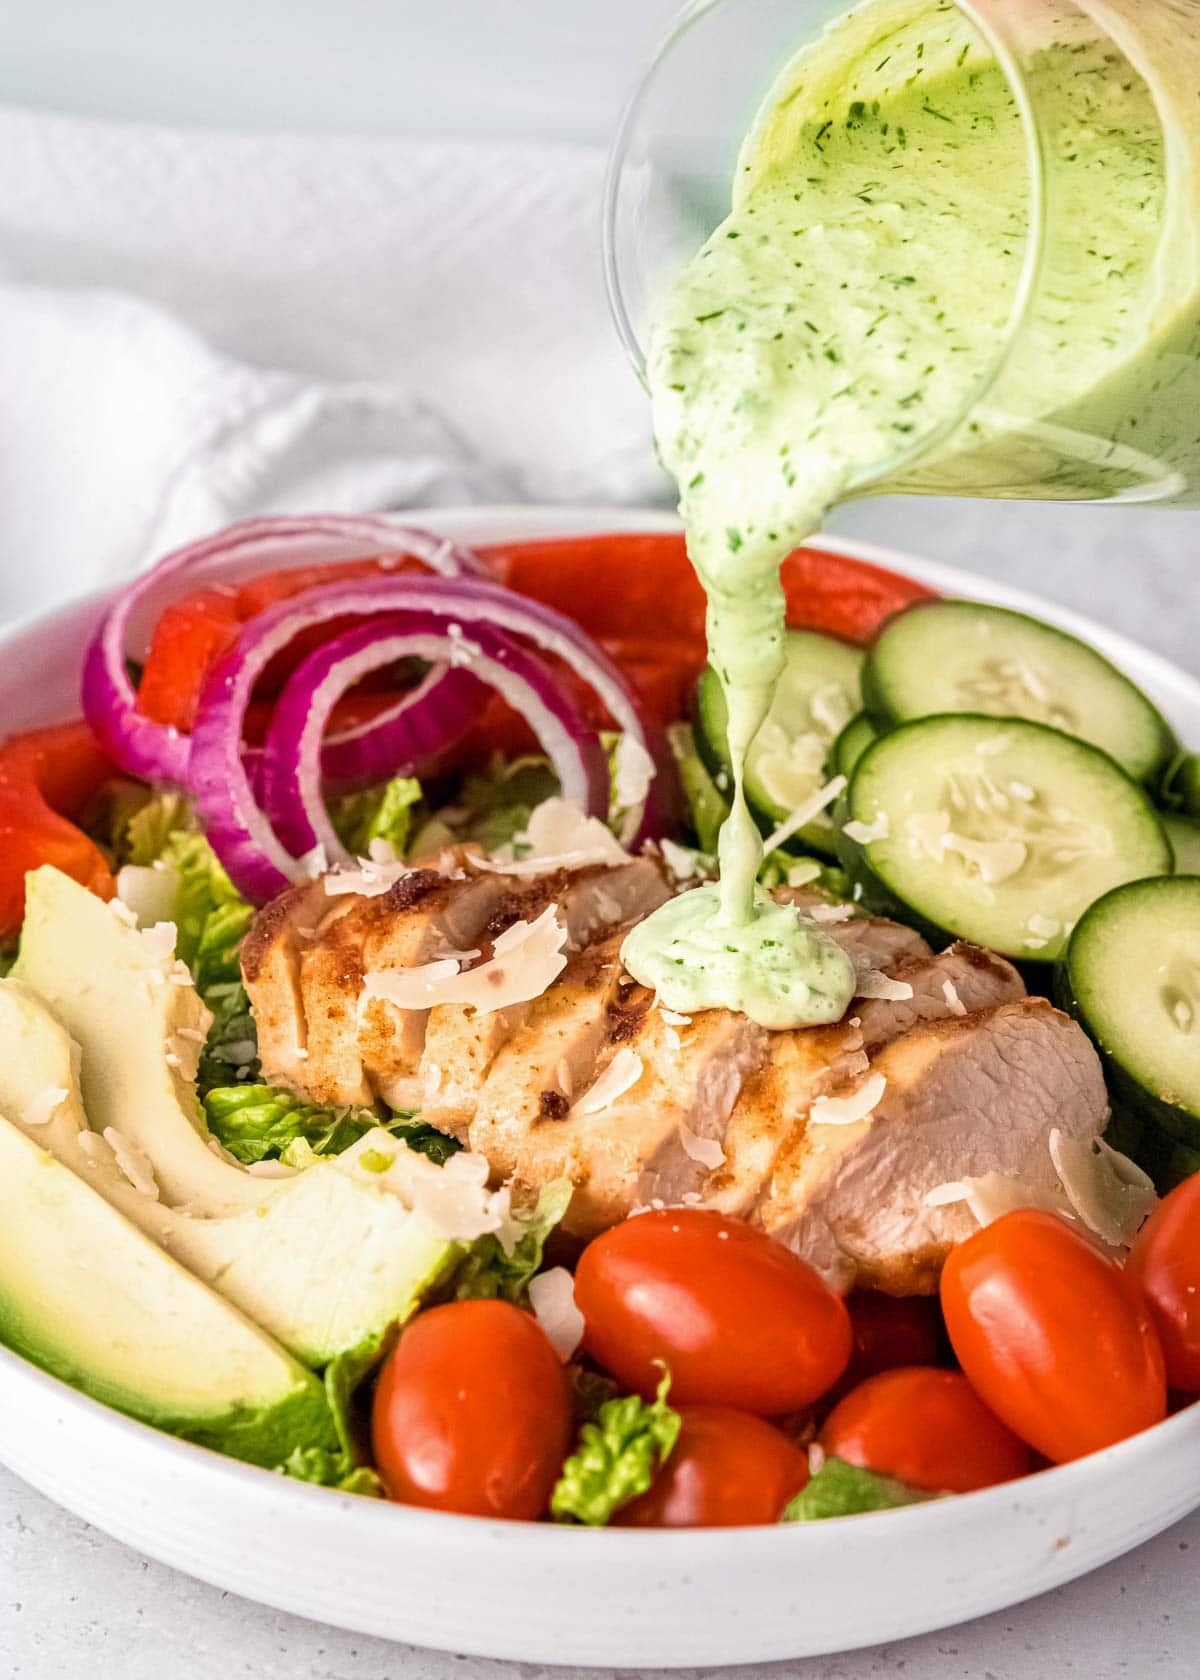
(74, 1603)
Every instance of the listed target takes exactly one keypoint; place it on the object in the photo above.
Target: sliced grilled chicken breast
(642, 1091)
(802, 1065)
(962, 1098)
(461, 1042)
(271, 953)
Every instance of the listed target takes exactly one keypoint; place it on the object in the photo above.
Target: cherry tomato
(727, 1470)
(472, 1413)
(47, 776)
(1165, 1263)
(926, 1427)
(890, 1330)
(1053, 1336)
(737, 1318)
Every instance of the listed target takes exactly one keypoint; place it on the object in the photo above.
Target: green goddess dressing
(838, 325)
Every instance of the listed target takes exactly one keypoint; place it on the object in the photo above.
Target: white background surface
(73, 1603)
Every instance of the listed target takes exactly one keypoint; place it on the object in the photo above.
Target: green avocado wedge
(323, 1260)
(88, 1297)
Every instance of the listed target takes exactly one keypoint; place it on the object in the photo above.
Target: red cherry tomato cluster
(1056, 1351)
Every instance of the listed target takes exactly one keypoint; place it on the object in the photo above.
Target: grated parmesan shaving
(864, 834)
(858, 1105)
(872, 983)
(95, 1147)
(373, 877)
(526, 959)
(831, 913)
(706, 1151)
(42, 1109)
(552, 1297)
(954, 1003)
(270, 1169)
(684, 862)
(1110, 1193)
(673, 1018)
(455, 1200)
(558, 836)
(992, 1195)
(804, 814)
(621, 1075)
(802, 873)
(633, 771)
(133, 1162)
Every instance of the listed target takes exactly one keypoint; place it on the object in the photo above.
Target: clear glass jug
(1130, 434)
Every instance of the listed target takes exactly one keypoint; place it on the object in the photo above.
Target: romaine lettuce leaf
(344, 1468)
(377, 813)
(488, 1273)
(617, 1457)
(840, 1489)
(257, 1122)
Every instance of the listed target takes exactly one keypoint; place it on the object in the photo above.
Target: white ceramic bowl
(544, 1594)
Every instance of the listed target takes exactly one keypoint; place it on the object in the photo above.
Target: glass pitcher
(1132, 433)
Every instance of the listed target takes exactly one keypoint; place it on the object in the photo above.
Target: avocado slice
(323, 1261)
(89, 1298)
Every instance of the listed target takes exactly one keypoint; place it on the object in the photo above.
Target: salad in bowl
(337, 1134)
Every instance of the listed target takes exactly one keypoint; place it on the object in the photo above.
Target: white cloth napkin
(196, 326)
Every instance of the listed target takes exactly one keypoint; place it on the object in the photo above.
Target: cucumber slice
(1181, 784)
(819, 692)
(1184, 835)
(851, 744)
(1132, 975)
(961, 656)
(1000, 831)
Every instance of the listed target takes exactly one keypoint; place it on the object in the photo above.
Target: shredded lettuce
(266, 1123)
(343, 1467)
(840, 1489)
(616, 1458)
(488, 1273)
(377, 813)
(260, 1122)
(491, 808)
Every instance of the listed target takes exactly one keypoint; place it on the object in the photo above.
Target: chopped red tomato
(47, 776)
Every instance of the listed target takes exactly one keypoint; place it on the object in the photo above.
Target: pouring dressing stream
(842, 327)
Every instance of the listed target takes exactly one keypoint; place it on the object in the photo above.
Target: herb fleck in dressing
(854, 306)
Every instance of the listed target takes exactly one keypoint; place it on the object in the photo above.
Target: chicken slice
(962, 1098)
(461, 1041)
(552, 1054)
(812, 1060)
(425, 916)
(615, 1140)
(271, 953)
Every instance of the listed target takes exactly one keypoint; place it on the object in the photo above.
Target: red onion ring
(291, 765)
(159, 753)
(238, 829)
